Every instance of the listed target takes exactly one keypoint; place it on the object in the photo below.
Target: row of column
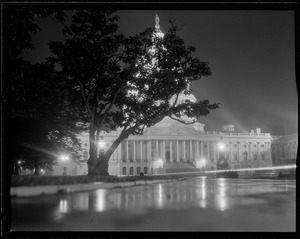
(180, 150)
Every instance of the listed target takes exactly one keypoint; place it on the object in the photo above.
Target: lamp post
(222, 163)
(203, 163)
(102, 145)
(64, 159)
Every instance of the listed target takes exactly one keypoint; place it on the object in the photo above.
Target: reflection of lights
(203, 188)
(63, 206)
(221, 198)
(82, 202)
(100, 200)
(203, 203)
(222, 203)
(160, 195)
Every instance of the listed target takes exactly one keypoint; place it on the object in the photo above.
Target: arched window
(131, 171)
(145, 170)
(124, 171)
(138, 170)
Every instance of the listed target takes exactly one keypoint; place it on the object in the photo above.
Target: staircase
(176, 167)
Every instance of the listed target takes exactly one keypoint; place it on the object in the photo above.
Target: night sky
(251, 55)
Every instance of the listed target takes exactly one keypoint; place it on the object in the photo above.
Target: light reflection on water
(221, 194)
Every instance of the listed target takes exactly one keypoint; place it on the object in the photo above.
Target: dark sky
(251, 55)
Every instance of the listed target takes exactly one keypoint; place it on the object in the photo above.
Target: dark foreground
(197, 204)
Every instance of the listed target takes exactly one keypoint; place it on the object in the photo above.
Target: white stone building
(285, 149)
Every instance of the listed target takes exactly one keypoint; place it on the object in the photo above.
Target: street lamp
(222, 162)
(203, 163)
(64, 159)
(102, 145)
(160, 163)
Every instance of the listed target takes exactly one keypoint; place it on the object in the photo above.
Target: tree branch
(85, 100)
(181, 120)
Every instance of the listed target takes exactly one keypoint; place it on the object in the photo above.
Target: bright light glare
(102, 144)
(64, 157)
(221, 146)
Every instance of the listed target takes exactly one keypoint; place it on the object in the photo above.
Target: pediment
(174, 130)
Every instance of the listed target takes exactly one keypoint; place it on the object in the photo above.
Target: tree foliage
(126, 82)
(41, 124)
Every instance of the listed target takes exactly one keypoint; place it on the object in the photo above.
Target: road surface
(196, 204)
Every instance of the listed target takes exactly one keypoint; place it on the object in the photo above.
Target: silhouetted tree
(41, 124)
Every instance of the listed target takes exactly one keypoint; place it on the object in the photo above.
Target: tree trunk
(92, 162)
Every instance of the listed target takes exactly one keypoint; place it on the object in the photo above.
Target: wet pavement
(198, 204)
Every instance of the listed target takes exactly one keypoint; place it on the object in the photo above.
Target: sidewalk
(30, 191)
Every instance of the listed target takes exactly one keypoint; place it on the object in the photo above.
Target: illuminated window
(255, 156)
(138, 170)
(262, 156)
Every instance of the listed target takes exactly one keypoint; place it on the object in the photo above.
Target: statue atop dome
(157, 26)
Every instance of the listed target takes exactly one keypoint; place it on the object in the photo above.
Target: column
(197, 149)
(183, 146)
(201, 146)
(191, 151)
(141, 142)
(171, 151)
(127, 151)
(149, 153)
(157, 148)
(238, 154)
(230, 151)
(258, 151)
(177, 151)
(163, 151)
(216, 152)
(119, 154)
(250, 154)
(134, 160)
(208, 156)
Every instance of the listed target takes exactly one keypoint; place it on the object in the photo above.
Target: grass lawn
(19, 180)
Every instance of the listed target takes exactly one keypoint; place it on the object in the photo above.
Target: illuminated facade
(170, 146)
(285, 149)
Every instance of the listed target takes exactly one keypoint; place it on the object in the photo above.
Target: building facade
(171, 146)
(285, 149)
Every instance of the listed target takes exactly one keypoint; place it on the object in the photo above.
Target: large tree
(126, 83)
(40, 125)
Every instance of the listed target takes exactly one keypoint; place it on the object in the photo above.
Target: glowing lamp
(221, 146)
(64, 158)
(102, 143)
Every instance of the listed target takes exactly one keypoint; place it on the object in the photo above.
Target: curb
(31, 191)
